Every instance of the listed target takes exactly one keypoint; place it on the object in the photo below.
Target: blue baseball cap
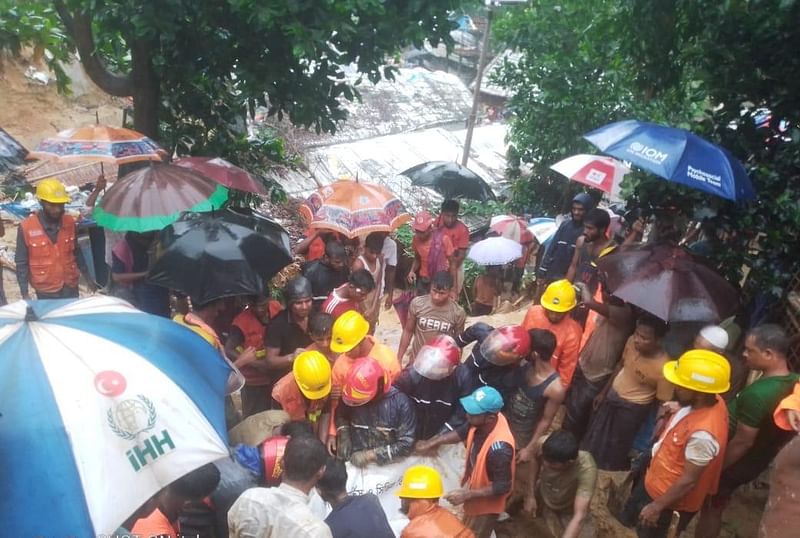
(483, 400)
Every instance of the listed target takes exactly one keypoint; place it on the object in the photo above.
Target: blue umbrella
(676, 155)
(101, 406)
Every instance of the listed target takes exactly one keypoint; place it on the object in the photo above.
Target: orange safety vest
(51, 266)
(253, 331)
(668, 462)
(298, 407)
(480, 478)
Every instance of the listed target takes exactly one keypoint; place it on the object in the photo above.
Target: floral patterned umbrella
(113, 145)
(354, 208)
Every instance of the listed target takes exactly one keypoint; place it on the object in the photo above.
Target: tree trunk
(146, 89)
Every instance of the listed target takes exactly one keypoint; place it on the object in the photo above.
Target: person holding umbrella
(557, 258)
(48, 257)
(688, 457)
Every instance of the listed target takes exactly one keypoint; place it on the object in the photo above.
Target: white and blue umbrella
(542, 228)
(101, 406)
(675, 155)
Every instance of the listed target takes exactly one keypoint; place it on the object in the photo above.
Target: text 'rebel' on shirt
(432, 320)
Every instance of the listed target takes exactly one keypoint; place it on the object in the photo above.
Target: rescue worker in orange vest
(419, 500)
(249, 330)
(304, 392)
(489, 471)
(47, 255)
(687, 458)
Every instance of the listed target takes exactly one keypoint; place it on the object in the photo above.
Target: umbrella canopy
(450, 179)
(667, 282)
(224, 173)
(354, 208)
(208, 258)
(89, 404)
(542, 228)
(675, 155)
(511, 227)
(596, 171)
(495, 251)
(99, 142)
(154, 196)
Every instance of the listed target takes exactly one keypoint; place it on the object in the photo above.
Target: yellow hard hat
(348, 331)
(52, 190)
(559, 296)
(421, 482)
(312, 373)
(701, 370)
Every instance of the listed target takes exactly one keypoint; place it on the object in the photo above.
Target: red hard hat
(506, 345)
(438, 358)
(272, 455)
(363, 382)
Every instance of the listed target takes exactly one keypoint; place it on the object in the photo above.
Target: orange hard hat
(272, 455)
(364, 381)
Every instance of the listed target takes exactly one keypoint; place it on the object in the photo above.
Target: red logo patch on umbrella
(110, 383)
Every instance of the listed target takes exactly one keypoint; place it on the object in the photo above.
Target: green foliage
(404, 234)
(706, 66)
(34, 24)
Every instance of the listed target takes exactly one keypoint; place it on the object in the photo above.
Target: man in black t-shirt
(327, 273)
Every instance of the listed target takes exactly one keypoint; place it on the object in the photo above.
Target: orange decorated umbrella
(113, 145)
(354, 208)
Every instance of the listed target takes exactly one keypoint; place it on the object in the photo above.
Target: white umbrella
(495, 251)
(596, 171)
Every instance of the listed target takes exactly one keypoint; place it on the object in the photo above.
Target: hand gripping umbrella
(102, 406)
(665, 281)
(209, 257)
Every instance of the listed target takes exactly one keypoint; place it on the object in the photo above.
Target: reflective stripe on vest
(480, 478)
(51, 266)
(669, 461)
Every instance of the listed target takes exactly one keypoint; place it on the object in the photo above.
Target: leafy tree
(710, 67)
(193, 64)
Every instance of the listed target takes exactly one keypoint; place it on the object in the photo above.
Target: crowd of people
(687, 435)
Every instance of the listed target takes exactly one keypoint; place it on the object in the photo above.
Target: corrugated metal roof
(381, 159)
(416, 99)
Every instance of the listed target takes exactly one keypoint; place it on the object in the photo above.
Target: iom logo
(647, 153)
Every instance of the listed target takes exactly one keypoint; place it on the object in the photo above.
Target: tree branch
(79, 27)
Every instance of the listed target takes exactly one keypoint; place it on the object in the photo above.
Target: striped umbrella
(354, 208)
(96, 416)
(113, 145)
(596, 171)
(511, 227)
(155, 196)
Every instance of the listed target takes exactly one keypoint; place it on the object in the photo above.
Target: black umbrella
(450, 179)
(209, 257)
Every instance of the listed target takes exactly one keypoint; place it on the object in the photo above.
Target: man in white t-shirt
(389, 253)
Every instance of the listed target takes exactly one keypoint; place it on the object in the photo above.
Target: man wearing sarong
(629, 396)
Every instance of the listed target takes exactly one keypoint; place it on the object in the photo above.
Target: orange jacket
(253, 331)
(429, 520)
(480, 477)
(382, 353)
(51, 266)
(669, 461)
(568, 334)
(791, 402)
(287, 393)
